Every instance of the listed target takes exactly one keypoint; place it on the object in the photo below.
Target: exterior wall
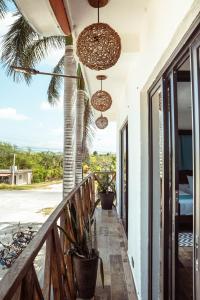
(20, 178)
(163, 27)
(23, 178)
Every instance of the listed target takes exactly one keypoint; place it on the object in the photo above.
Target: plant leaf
(74, 224)
(88, 128)
(67, 235)
(80, 82)
(55, 83)
(101, 271)
(15, 42)
(95, 206)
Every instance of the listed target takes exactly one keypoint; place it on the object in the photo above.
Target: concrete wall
(163, 26)
(23, 178)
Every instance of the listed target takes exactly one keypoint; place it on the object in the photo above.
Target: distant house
(21, 177)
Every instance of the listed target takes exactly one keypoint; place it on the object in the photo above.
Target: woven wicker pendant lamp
(98, 45)
(101, 100)
(101, 122)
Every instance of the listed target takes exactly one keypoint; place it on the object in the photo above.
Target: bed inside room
(186, 198)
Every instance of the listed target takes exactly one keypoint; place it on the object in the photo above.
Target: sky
(26, 118)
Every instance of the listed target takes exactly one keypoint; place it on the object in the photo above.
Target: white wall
(160, 35)
(23, 178)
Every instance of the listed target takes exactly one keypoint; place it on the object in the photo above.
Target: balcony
(54, 278)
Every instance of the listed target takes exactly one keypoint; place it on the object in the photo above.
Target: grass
(28, 186)
(46, 211)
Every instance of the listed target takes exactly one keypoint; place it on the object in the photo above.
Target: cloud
(10, 113)
(45, 105)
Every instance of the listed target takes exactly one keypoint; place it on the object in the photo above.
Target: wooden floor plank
(116, 265)
(112, 245)
(118, 287)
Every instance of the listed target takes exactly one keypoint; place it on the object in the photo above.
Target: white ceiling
(124, 17)
(43, 19)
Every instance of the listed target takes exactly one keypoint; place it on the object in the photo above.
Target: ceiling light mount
(98, 3)
(101, 77)
(98, 45)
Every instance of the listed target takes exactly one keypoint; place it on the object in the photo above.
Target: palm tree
(80, 105)
(84, 126)
(22, 46)
(84, 122)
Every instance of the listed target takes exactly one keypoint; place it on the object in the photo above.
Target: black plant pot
(86, 275)
(107, 200)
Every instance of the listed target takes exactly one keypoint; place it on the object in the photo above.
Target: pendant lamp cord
(98, 11)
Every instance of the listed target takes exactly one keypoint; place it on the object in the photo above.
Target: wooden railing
(22, 282)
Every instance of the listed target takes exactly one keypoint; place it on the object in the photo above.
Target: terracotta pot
(86, 275)
(107, 200)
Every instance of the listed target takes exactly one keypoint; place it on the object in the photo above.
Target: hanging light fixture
(101, 122)
(98, 45)
(101, 100)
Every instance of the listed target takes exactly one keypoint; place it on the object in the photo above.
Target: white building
(19, 177)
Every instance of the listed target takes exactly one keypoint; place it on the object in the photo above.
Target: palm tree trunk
(69, 122)
(80, 105)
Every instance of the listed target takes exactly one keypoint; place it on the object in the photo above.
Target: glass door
(124, 177)
(158, 205)
(174, 180)
(195, 63)
(181, 187)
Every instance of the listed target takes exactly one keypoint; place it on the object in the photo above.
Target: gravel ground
(29, 208)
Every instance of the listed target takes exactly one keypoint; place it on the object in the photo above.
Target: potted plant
(106, 192)
(85, 256)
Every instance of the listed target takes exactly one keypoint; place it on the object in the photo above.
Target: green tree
(45, 165)
(99, 163)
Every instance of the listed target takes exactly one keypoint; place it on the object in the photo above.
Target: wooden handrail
(12, 279)
(21, 282)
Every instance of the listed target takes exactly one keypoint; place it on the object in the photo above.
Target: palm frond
(53, 91)
(41, 48)
(22, 46)
(88, 128)
(3, 8)
(15, 42)
(80, 82)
